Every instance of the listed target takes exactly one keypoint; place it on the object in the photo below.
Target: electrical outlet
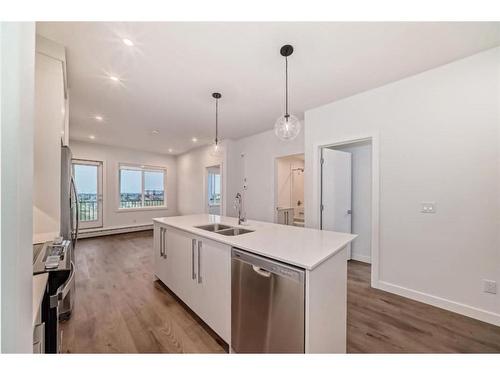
(428, 207)
(490, 286)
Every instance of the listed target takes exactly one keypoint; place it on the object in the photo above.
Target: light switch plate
(490, 286)
(428, 207)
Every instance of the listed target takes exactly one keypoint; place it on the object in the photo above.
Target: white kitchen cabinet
(181, 265)
(50, 130)
(213, 292)
(159, 260)
(198, 271)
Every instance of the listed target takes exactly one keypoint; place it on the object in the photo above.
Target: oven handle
(68, 284)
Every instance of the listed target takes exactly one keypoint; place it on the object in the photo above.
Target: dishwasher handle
(261, 271)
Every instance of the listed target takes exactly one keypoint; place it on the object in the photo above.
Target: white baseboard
(96, 232)
(459, 308)
(361, 258)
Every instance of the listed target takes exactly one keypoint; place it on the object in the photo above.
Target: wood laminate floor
(119, 308)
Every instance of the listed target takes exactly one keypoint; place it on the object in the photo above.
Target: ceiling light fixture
(128, 42)
(216, 149)
(98, 118)
(287, 127)
(170, 150)
(92, 136)
(194, 139)
(155, 132)
(114, 78)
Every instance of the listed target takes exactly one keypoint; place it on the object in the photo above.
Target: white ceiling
(168, 76)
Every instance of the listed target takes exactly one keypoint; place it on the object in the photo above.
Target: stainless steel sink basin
(234, 231)
(225, 230)
(213, 227)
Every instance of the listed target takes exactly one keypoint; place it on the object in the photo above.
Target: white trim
(147, 208)
(443, 303)
(97, 232)
(374, 138)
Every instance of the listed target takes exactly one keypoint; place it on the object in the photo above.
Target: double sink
(225, 230)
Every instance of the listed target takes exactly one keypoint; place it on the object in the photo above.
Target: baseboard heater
(96, 232)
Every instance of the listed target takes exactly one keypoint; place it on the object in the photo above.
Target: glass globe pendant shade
(287, 127)
(216, 149)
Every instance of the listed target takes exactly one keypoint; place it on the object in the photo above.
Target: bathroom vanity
(196, 257)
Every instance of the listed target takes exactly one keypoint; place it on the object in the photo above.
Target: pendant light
(287, 127)
(216, 148)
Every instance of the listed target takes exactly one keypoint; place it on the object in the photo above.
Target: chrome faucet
(238, 204)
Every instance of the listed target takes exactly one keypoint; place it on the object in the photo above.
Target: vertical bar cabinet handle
(165, 243)
(193, 273)
(200, 244)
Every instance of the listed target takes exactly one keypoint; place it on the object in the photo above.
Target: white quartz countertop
(303, 247)
(39, 285)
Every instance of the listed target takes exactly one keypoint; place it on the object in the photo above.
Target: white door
(88, 181)
(336, 191)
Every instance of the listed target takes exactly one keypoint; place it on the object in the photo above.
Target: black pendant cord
(286, 89)
(216, 121)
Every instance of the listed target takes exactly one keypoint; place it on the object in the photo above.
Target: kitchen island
(195, 264)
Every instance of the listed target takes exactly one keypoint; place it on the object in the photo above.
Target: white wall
(361, 159)
(17, 57)
(191, 178)
(111, 157)
(438, 140)
(254, 158)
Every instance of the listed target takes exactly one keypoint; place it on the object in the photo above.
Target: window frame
(212, 184)
(142, 168)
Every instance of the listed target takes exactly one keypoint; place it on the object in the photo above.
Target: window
(142, 187)
(213, 185)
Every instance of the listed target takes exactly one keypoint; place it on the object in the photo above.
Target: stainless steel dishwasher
(267, 305)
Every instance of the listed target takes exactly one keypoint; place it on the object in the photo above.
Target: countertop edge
(226, 241)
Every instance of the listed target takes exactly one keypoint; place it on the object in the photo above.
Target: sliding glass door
(88, 180)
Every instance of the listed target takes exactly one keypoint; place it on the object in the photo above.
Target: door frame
(375, 188)
(100, 186)
(321, 207)
(205, 188)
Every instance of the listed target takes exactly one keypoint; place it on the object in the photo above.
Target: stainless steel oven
(56, 261)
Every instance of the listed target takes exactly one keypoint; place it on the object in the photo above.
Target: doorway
(213, 190)
(88, 181)
(289, 190)
(346, 194)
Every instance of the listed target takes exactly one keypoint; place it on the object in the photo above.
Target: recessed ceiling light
(194, 139)
(92, 136)
(155, 132)
(128, 42)
(98, 118)
(170, 150)
(114, 78)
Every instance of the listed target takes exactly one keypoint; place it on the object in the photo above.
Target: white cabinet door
(159, 260)
(213, 293)
(181, 271)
